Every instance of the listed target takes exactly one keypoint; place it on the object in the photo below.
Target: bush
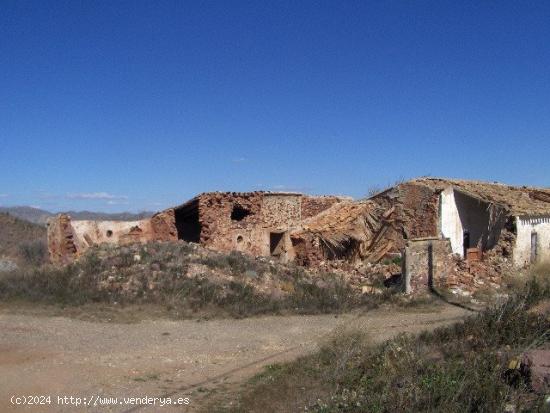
(460, 368)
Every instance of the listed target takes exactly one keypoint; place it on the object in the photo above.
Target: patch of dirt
(63, 356)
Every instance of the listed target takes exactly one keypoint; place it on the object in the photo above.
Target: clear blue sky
(113, 105)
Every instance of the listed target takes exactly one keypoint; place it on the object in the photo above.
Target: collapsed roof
(517, 200)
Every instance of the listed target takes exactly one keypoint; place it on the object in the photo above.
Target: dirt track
(67, 357)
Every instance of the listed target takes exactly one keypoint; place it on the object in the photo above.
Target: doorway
(466, 242)
(276, 244)
(187, 222)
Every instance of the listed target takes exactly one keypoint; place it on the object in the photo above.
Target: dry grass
(224, 285)
(461, 368)
(22, 241)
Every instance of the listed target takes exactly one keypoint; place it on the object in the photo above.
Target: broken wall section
(427, 263)
(68, 239)
(416, 213)
(258, 223)
(61, 240)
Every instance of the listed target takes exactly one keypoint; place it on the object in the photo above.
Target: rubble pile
(148, 270)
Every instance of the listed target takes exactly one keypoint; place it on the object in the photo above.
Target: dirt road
(58, 356)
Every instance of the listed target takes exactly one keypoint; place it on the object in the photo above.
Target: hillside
(15, 232)
(30, 214)
(40, 216)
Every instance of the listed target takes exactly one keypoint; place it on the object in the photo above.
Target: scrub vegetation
(462, 368)
(186, 281)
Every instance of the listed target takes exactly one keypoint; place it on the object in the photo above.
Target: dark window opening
(239, 213)
(109, 233)
(187, 222)
(240, 239)
(276, 243)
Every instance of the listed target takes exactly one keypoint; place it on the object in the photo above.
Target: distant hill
(14, 232)
(40, 216)
(34, 215)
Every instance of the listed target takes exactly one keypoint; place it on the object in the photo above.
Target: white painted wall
(525, 226)
(97, 231)
(451, 226)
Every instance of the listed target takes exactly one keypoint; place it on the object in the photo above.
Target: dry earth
(58, 356)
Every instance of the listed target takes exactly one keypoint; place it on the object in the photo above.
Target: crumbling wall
(220, 232)
(427, 263)
(91, 233)
(307, 249)
(314, 205)
(163, 226)
(244, 221)
(68, 239)
(61, 240)
(415, 213)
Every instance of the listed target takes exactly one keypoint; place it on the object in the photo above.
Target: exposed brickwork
(220, 221)
(416, 212)
(266, 213)
(312, 206)
(307, 250)
(163, 226)
(219, 231)
(61, 243)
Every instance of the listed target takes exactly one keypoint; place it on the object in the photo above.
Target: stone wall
(222, 233)
(416, 213)
(68, 239)
(266, 213)
(314, 205)
(61, 245)
(227, 221)
(427, 262)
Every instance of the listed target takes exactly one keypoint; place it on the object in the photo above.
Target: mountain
(30, 214)
(40, 216)
(104, 216)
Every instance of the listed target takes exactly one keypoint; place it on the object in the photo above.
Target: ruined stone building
(471, 215)
(258, 223)
(467, 218)
(429, 223)
(68, 239)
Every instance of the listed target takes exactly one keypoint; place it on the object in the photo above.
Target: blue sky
(138, 105)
